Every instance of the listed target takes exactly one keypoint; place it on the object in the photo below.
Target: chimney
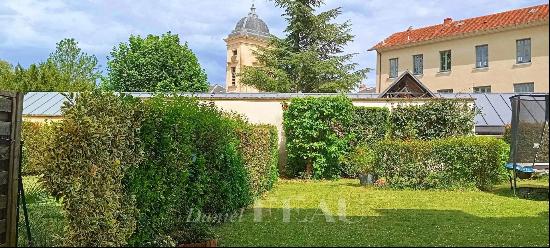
(447, 20)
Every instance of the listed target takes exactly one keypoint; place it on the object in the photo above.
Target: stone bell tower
(249, 33)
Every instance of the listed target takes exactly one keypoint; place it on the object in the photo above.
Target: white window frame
(445, 61)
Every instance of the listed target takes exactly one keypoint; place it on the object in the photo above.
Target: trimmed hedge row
(259, 148)
(91, 151)
(370, 124)
(456, 162)
(432, 120)
(132, 172)
(192, 164)
(322, 132)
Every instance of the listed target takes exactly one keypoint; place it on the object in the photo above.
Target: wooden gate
(11, 106)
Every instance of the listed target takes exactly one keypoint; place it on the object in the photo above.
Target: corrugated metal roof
(494, 108)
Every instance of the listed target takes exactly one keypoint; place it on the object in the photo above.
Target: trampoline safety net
(530, 131)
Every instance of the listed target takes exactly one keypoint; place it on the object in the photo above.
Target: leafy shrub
(92, 148)
(507, 136)
(192, 164)
(36, 140)
(432, 120)
(457, 162)
(259, 149)
(195, 233)
(477, 161)
(359, 161)
(318, 134)
(370, 124)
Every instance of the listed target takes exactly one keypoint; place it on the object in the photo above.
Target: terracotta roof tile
(471, 25)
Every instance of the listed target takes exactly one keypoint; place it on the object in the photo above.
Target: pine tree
(311, 57)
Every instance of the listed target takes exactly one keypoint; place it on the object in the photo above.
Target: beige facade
(501, 74)
(250, 33)
(239, 55)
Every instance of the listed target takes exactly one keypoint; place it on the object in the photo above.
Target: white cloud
(101, 24)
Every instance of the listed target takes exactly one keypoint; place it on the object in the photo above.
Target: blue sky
(29, 29)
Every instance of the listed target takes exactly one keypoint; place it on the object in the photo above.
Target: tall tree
(6, 75)
(66, 69)
(78, 67)
(155, 64)
(311, 57)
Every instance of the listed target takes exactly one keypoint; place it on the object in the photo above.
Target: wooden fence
(11, 105)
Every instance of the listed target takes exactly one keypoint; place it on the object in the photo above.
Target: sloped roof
(517, 17)
(402, 82)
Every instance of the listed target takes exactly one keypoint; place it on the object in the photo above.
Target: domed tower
(249, 33)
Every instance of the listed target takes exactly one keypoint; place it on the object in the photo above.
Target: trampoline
(529, 144)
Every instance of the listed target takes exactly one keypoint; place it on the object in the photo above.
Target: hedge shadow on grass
(388, 227)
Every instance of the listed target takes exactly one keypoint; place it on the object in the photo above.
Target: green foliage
(507, 136)
(78, 67)
(67, 69)
(192, 164)
(456, 162)
(195, 233)
(432, 120)
(317, 132)
(359, 161)
(155, 64)
(46, 216)
(93, 147)
(36, 141)
(311, 57)
(387, 217)
(370, 124)
(259, 149)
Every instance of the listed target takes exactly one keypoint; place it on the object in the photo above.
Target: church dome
(251, 25)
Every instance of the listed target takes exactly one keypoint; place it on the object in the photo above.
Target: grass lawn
(46, 217)
(373, 217)
(383, 217)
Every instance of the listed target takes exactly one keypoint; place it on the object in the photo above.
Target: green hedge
(370, 124)
(93, 147)
(259, 148)
(432, 120)
(457, 162)
(131, 172)
(36, 138)
(192, 164)
(318, 133)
